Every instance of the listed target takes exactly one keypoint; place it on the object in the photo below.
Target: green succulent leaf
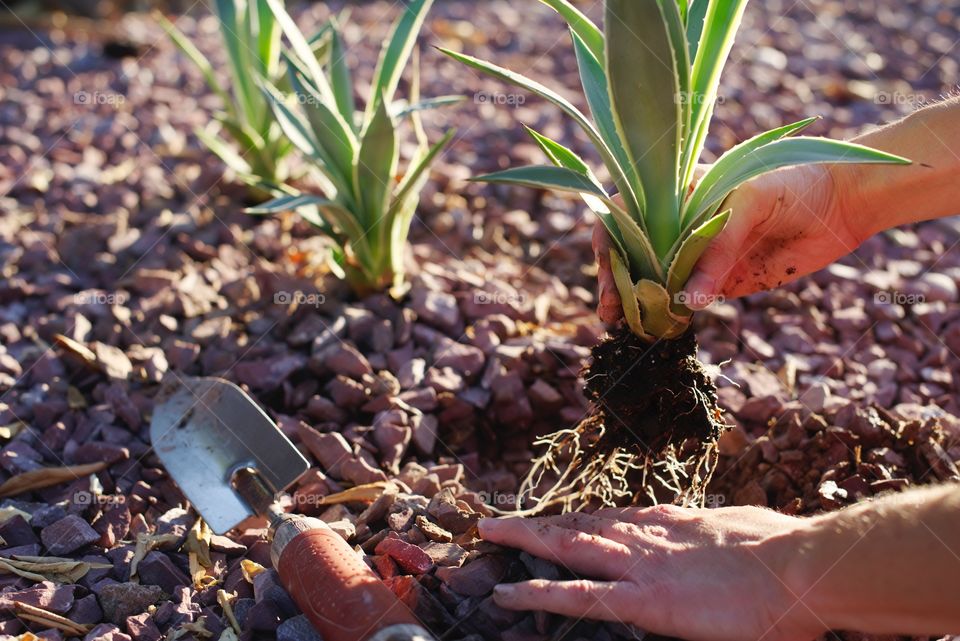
(696, 13)
(332, 134)
(694, 210)
(628, 298)
(644, 90)
(551, 96)
(224, 151)
(588, 32)
(594, 81)
(690, 252)
(787, 152)
(401, 110)
(268, 38)
(376, 165)
(658, 317)
(545, 177)
(721, 21)
(196, 57)
(341, 81)
(396, 53)
(561, 156)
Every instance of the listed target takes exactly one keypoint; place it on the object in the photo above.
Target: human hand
(784, 225)
(693, 573)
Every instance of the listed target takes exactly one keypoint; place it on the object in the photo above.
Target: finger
(577, 551)
(591, 599)
(589, 523)
(609, 309)
(718, 261)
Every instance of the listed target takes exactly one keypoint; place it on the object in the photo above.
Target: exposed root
(652, 438)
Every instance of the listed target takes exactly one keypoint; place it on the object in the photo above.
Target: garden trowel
(231, 461)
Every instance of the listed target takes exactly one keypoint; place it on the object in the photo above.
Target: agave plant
(367, 205)
(651, 80)
(251, 38)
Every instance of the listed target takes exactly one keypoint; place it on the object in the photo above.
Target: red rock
(68, 535)
(476, 578)
(330, 449)
(385, 566)
(409, 557)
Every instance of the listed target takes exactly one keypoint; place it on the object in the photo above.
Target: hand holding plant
(783, 225)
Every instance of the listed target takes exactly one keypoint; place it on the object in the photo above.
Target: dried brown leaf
(251, 569)
(49, 568)
(360, 494)
(47, 476)
(49, 619)
(147, 543)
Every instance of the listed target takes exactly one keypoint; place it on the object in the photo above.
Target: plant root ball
(650, 396)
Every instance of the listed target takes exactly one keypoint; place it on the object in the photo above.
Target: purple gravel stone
(297, 629)
(106, 632)
(45, 595)
(121, 600)
(157, 569)
(86, 610)
(16, 531)
(47, 515)
(67, 535)
(142, 628)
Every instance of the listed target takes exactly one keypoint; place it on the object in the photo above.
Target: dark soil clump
(651, 396)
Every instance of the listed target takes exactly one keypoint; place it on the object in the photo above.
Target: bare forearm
(885, 567)
(878, 197)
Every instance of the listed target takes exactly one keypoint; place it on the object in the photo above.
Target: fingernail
(700, 291)
(486, 526)
(503, 591)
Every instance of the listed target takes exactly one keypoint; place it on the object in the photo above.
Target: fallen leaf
(75, 399)
(49, 568)
(8, 512)
(360, 494)
(251, 569)
(146, 543)
(197, 546)
(229, 635)
(7, 432)
(47, 476)
(197, 628)
(78, 350)
(49, 619)
(226, 599)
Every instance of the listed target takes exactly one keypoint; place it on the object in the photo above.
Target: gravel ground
(121, 235)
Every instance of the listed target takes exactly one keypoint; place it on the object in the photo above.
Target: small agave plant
(251, 38)
(367, 204)
(650, 79)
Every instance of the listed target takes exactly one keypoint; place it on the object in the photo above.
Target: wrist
(792, 556)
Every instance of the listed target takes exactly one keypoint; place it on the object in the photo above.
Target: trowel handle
(338, 593)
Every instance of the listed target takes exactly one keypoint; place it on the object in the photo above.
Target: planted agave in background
(651, 80)
(251, 38)
(366, 206)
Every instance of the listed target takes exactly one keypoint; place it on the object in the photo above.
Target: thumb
(718, 261)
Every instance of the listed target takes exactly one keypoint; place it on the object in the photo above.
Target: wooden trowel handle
(335, 589)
